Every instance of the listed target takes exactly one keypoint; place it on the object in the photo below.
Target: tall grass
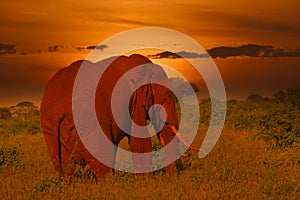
(240, 166)
(256, 157)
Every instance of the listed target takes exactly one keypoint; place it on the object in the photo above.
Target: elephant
(65, 146)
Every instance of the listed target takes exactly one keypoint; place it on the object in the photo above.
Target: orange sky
(33, 26)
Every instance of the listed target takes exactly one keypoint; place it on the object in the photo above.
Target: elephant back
(57, 99)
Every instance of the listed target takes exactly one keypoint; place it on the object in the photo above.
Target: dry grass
(239, 167)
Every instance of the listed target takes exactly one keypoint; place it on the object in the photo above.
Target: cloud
(99, 47)
(185, 54)
(251, 50)
(55, 48)
(118, 20)
(165, 54)
(80, 48)
(181, 54)
(7, 49)
(235, 22)
(263, 24)
(248, 50)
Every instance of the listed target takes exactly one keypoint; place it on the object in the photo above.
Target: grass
(241, 166)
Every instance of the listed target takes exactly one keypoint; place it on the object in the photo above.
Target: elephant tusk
(181, 139)
(185, 155)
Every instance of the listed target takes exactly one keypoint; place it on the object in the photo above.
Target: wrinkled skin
(64, 145)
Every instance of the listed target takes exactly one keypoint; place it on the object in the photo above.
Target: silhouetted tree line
(291, 95)
(23, 110)
(26, 109)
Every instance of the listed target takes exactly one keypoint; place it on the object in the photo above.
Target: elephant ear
(138, 72)
(140, 75)
(162, 97)
(159, 75)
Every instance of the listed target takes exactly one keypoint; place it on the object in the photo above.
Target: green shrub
(244, 115)
(16, 126)
(10, 156)
(5, 113)
(47, 185)
(276, 119)
(281, 124)
(33, 127)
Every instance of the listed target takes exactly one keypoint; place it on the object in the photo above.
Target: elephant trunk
(181, 139)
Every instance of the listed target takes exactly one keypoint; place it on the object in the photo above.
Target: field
(256, 157)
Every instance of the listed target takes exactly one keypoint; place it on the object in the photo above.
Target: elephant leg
(98, 168)
(166, 136)
(140, 146)
(59, 151)
(142, 161)
(108, 152)
(66, 164)
(52, 145)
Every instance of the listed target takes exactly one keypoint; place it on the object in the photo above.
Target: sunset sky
(38, 37)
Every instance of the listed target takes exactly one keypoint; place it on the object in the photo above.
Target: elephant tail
(61, 172)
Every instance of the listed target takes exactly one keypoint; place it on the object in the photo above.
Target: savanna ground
(256, 157)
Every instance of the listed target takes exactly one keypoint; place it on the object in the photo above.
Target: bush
(47, 185)
(10, 157)
(281, 124)
(17, 126)
(276, 119)
(293, 95)
(33, 127)
(244, 115)
(5, 113)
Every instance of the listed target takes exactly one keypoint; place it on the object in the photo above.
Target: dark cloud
(55, 48)
(185, 54)
(11, 49)
(165, 54)
(99, 47)
(7, 49)
(80, 48)
(248, 50)
(129, 21)
(251, 50)
(181, 54)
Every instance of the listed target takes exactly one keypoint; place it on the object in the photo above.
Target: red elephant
(65, 146)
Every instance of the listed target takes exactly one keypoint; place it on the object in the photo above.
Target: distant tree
(179, 87)
(255, 97)
(5, 113)
(280, 95)
(25, 104)
(293, 95)
(232, 101)
(24, 110)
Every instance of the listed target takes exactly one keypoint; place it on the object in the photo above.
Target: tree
(24, 110)
(255, 97)
(279, 95)
(25, 104)
(5, 113)
(293, 95)
(180, 88)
